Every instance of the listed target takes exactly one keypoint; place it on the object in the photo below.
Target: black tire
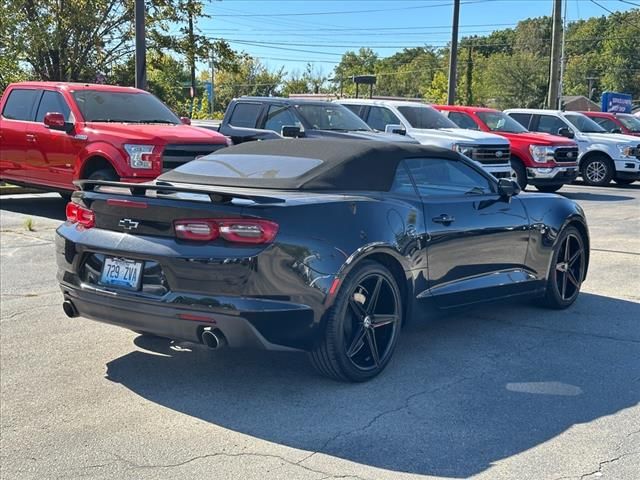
(624, 181)
(597, 171)
(521, 173)
(568, 265)
(66, 196)
(346, 350)
(107, 174)
(548, 188)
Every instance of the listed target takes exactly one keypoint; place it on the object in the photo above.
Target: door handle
(30, 137)
(444, 218)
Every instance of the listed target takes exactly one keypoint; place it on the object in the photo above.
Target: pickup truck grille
(175, 155)
(492, 154)
(637, 152)
(566, 155)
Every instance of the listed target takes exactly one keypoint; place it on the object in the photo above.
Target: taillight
(234, 230)
(80, 215)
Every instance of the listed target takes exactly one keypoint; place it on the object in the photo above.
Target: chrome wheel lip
(596, 171)
(368, 325)
(569, 268)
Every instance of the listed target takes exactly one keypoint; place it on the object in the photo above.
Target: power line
(372, 29)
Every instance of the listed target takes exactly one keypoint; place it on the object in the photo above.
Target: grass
(29, 224)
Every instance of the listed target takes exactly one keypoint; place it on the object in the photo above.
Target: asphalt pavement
(500, 391)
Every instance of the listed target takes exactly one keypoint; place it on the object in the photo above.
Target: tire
(521, 173)
(597, 171)
(66, 196)
(548, 188)
(107, 174)
(624, 181)
(567, 270)
(346, 350)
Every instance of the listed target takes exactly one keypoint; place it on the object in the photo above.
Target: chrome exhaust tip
(70, 309)
(213, 339)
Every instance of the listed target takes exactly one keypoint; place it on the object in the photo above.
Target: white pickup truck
(430, 127)
(602, 155)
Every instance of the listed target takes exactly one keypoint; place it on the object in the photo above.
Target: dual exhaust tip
(213, 339)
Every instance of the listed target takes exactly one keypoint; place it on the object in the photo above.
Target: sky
(296, 32)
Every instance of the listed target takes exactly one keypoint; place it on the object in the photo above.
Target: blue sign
(616, 102)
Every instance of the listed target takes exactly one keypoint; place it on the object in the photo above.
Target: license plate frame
(124, 268)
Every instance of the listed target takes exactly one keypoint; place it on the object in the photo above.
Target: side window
(605, 123)
(357, 109)
(380, 117)
(522, 118)
(20, 104)
(549, 124)
(402, 183)
(442, 177)
(53, 102)
(279, 116)
(463, 120)
(245, 115)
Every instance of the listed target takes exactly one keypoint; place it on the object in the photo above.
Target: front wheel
(548, 188)
(362, 326)
(520, 172)
(597, 171)
(567, 269)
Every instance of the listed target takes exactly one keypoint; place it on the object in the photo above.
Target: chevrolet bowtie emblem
(128, 224)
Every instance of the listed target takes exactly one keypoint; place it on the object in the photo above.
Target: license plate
(121, 272)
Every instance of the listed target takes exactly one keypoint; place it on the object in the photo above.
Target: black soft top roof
(359, 165)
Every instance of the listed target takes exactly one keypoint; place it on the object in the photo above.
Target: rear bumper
(552, 176)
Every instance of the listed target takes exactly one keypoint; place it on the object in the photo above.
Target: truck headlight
(139, 155)
(626, 150)
(466, 150)
(541, 153)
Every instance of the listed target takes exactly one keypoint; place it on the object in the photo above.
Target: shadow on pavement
(49, 206)
(464, 391)
(595, 197)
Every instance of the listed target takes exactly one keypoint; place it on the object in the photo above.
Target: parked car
(430, 127)
(53, 133)
(308, 245)
(603, 155)
(616, 122)
(269, 118)
(539, 159)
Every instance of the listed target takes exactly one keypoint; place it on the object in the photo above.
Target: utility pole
(213, 76)
(469, 99)
(141, 47)
(453, 57)
(192, 57)
(556, 54)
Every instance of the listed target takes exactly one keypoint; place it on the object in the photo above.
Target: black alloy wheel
(567, 269)
(362, 327)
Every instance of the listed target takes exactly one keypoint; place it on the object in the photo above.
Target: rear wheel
(521, 173)
(107, 174)
(362, 326)
(567, 270)
(597, 171)
(548, 188)
(624, 181)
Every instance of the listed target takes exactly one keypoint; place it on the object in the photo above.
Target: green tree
(436, 92)
(362, 63)
(516, 80)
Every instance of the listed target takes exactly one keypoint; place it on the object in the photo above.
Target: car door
(463, 120)
(14, 142)
(606, 123)
(54, 153)
(240, 123)
(477, 239)
(279, 116)
(379, 117)
(548, 124)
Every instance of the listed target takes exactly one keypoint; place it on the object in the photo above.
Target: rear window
(245, 115)
(249, 166)
(426, 117)
(19, 105)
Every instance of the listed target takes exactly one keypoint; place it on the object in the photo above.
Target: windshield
(500, 122)
(631, 122)
(125, 107)
(425, 117)
(584, 124)
(331, 117)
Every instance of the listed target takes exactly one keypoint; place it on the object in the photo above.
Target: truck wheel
(521, 173)
(624, 181)
(597, 171)
(548, 188)
(107, 174)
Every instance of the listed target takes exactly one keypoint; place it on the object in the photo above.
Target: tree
(436, 92)
(516, 80)
(361, 63)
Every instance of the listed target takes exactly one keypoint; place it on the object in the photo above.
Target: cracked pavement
(508, 391)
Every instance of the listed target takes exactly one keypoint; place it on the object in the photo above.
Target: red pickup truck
(539, 159)
(54, 133)
(616, 122)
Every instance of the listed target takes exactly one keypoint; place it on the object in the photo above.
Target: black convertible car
(313, 245)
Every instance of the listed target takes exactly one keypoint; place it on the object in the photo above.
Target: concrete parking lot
(508, 391)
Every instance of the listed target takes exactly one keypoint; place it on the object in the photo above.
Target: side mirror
(508, 188)
(393, 128)
(185, 120)
(291, 131)
(566, 132)
(56, 121)
(616, 130)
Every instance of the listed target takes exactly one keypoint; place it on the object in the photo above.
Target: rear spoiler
(215, 194)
